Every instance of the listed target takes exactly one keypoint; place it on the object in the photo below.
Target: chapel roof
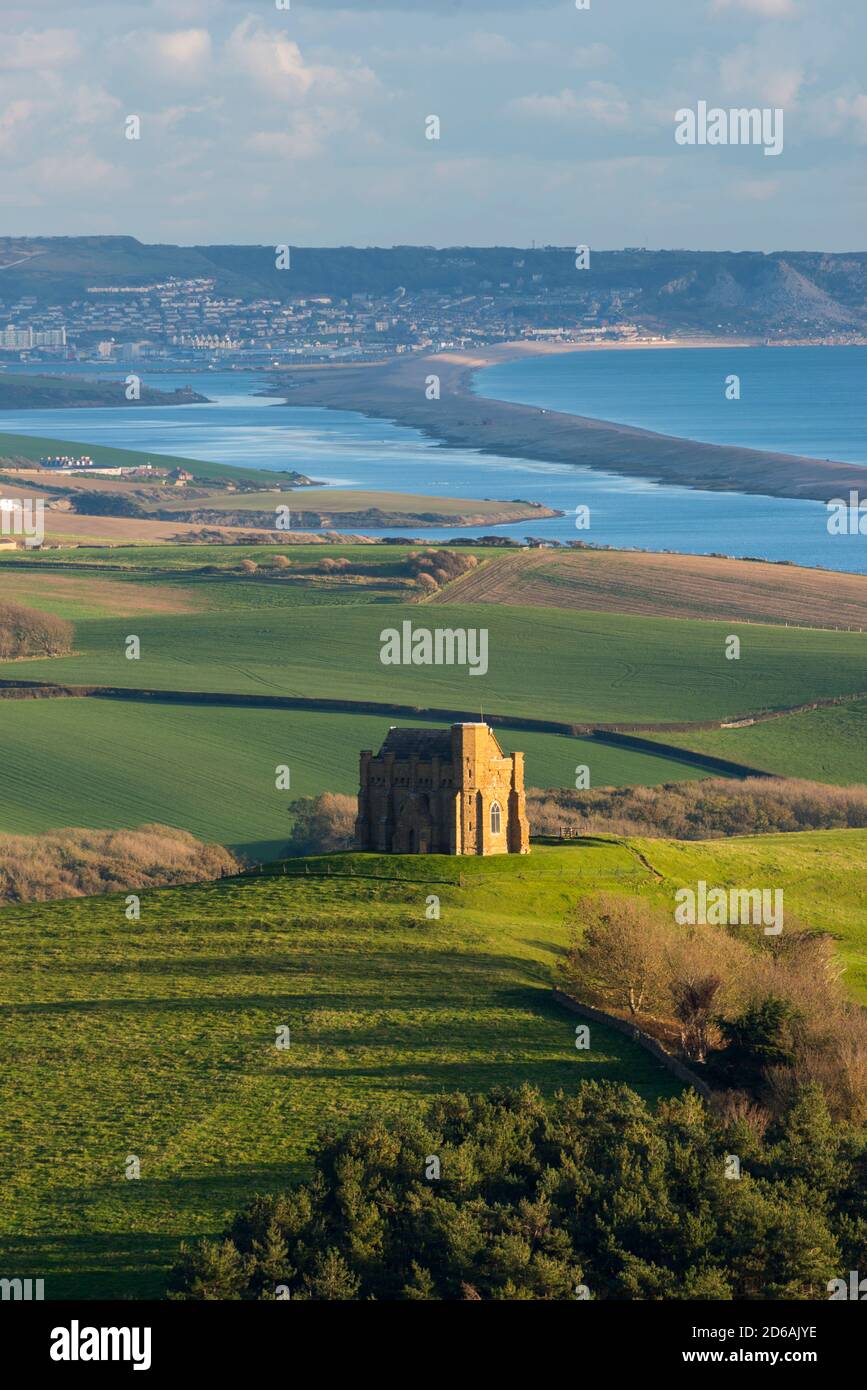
(418, 743)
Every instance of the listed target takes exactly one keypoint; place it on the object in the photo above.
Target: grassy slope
(47, 391)
(824, 745)
(211, 770)
(335, 501)
(553, 664)
(28, 446)
(157, 1038)
(823, 874)
(76, 593)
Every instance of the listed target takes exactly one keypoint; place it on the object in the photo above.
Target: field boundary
(636, 1035)
(618, 735)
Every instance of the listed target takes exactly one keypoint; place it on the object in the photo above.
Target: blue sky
(307, 125)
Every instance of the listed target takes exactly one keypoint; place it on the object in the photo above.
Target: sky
(308, 125)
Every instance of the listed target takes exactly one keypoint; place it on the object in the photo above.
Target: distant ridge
(783, 293)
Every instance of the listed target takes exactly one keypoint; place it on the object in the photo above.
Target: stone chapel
(442, 791)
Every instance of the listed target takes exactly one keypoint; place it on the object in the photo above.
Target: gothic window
(495, 818)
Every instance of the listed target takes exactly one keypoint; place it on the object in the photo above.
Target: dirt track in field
(666, 586)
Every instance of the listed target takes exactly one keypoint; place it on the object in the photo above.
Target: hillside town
(189, 322)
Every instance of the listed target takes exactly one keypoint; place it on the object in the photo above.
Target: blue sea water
(799, 400)
(795, 400)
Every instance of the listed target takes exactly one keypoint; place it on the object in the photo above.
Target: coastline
(397, 388)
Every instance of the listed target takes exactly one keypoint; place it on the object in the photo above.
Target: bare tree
(694, 1001)
(617, 955)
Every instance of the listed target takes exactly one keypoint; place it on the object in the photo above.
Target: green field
(104, 764)
(77, 592)
(146, 560)
(28, 446)
(157, 1038)
(551, 664)
(823, 745)
(823, 874)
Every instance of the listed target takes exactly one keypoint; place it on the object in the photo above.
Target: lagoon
(797, 400)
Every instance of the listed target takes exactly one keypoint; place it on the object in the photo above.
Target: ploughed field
(675, 586)
(157, 1038)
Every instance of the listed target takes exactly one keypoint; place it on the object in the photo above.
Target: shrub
(706, 809)
(78, 863)
(322, 824)
(28, 632)
(616, 958)
(764, 1015)
(440, 566)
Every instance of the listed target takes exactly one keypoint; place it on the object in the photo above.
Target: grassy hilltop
(157, 1038)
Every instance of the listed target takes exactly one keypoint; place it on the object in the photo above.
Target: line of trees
(706, 809)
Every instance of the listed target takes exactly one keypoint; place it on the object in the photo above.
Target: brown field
(93, 594)
(668, 586)
(64, 526)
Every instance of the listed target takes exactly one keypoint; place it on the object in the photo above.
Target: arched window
(495, 818)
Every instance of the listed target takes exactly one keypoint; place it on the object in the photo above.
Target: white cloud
(492, 48)
(167, 55)
(590, 55)
(91, 105)
(600, 103)
(184, 49)
(270, 59)
(849, 114)
(768, 9)
(760, 78)
(71, 172)
(46, 48)
(276, 67)
(756, 190)
(15, 118)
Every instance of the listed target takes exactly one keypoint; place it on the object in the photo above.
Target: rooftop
(418, 743)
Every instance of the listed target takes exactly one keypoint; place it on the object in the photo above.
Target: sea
(799, 400)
